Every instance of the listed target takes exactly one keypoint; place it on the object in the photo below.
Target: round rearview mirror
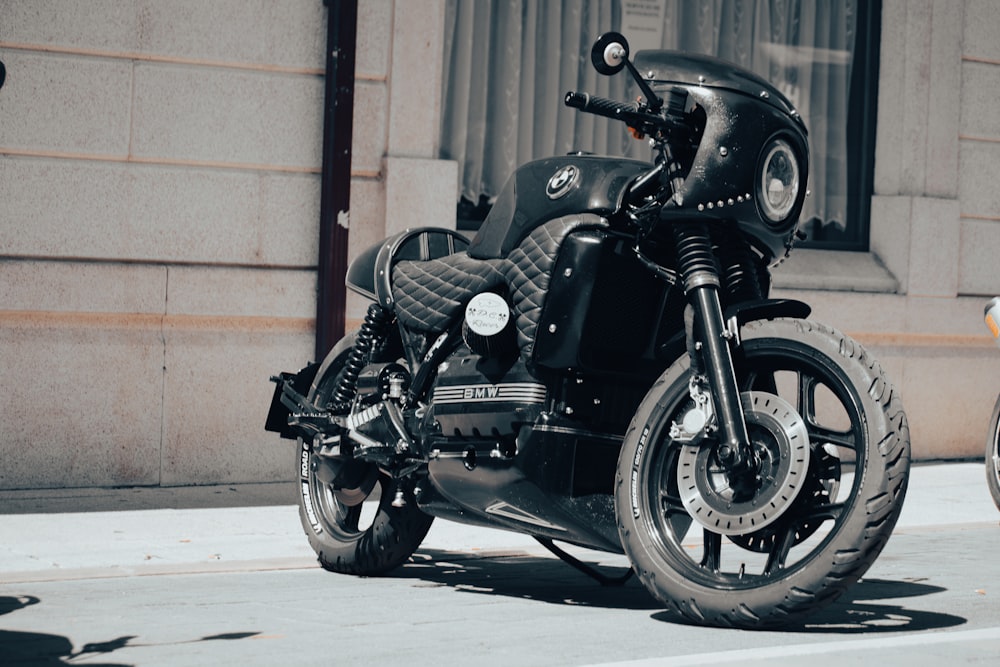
(609, 53)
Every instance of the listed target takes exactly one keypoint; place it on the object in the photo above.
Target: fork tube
(701, 284)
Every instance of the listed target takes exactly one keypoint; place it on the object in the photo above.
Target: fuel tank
(549, 188)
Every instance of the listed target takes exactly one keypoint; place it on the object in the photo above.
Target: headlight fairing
(779, 181)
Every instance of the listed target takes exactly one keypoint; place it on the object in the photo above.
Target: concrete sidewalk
(77, 534)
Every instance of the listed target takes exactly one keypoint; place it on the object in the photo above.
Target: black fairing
(534, 194)
(741, 113)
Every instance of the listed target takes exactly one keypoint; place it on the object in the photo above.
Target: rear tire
(353, 530)
(829, 531)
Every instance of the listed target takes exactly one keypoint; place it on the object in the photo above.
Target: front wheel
(775, 543)
(993, 455)
(346, 506)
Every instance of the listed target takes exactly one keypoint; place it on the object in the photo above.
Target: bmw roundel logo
(562, 182)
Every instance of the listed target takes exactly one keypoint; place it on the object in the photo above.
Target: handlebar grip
(598, 105)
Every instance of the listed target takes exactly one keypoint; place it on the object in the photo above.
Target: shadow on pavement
(524, 577)
(40, 649)
(869, 607)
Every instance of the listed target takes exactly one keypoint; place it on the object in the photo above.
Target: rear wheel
(346, 505)
(768, 547)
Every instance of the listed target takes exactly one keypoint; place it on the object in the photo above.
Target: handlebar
(648, 123)
(600, 106)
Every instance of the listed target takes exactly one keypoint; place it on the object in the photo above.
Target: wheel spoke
(712, 555)
(824, 512)
(778, 553)
(819, 434)
(761, 382)
(352, 517)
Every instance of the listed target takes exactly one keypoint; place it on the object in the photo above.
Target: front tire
(831, 528)
(993, 455)
(354, 527)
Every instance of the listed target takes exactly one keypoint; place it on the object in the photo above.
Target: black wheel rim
(345, 522)
(826, 400)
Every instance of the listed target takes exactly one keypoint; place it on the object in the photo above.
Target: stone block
(415, 79)
(287, 226)
(258, 32)
(205, 114)
(374, 39)
(155, 213)
(889, 235)
(230, 291)
(980, 91)
(189, 215)
(54, 208)
(106, 25)
(63, 104)
(980, 247)
(216, 396)
(420, 193)
(946, 85)
(371, 107)
(81, 401)
(934, 247)
(978, 189)
(891, 89)
(27, 285)
(948, 394)
(982, 23)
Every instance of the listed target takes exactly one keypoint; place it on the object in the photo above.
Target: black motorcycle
(601, 366)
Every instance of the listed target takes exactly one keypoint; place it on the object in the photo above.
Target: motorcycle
(601, 366)
(992, 315)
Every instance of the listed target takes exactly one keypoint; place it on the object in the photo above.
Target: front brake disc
(780, 441)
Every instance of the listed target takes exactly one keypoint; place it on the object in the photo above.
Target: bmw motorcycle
(601, 366)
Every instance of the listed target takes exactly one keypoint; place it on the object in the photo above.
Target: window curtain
(508, 64)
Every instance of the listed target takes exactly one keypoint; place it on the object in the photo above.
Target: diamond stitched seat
(429, 294)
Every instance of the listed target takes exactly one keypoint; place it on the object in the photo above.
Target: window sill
(832, 270)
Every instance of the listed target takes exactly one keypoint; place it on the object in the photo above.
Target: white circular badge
(487, 314)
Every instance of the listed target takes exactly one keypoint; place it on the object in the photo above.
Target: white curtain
(508, 64)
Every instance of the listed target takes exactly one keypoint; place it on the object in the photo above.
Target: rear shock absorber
(372, 333)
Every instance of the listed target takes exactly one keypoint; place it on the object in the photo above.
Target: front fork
(709, 347)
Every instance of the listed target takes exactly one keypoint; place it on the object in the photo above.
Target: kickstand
(569, 559)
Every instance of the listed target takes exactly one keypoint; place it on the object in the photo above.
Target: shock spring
(739, 272)
(695, 258)
(372, 332)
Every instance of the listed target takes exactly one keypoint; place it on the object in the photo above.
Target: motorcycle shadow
(869, 607)
(526, 577)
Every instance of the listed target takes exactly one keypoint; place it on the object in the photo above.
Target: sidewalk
(75, 534)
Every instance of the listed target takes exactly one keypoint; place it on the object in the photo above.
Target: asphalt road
(238, 586)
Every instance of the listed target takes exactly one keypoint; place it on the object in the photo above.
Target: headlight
(778, 187)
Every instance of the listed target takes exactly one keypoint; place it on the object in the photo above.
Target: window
(508, 65)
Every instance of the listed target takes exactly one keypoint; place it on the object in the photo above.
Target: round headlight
(779, 181)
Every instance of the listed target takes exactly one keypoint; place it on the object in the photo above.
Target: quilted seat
(430, 294)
